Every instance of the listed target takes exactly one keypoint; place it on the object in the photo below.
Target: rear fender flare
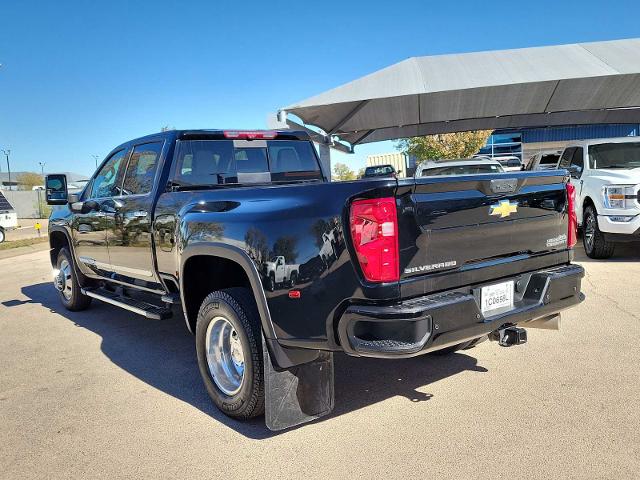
(236, 255)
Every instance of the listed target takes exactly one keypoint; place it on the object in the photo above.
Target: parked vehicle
(510, 163)
(380, 171)
(462, 166)
(547, 160)
(8, 217)
(188, 218)
(278, 272)
(606, 177)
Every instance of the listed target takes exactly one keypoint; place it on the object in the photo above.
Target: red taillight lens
(572, 235)
(374, 231)
(250, 134)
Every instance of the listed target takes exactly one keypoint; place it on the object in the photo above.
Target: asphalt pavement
(107, 394)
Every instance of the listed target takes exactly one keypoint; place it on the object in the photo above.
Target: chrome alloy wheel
(589, 231)
(225, 356)
(63, 281)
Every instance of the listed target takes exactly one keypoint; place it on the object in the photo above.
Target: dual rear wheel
(229, 350)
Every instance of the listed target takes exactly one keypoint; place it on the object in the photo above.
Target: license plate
(496, 297)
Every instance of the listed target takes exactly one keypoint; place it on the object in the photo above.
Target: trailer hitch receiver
(510, 335)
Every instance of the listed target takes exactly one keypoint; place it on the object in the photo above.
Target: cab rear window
(215, 162)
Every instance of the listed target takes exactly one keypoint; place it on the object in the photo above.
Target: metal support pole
(39, 206)
(325, 159)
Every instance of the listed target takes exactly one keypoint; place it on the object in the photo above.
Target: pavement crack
(616, 304)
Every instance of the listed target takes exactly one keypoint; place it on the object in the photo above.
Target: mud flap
(298, 394)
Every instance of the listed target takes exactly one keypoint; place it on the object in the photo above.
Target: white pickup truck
(277, 272)
(606, 177)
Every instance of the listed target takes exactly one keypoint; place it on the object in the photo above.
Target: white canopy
(586, 83)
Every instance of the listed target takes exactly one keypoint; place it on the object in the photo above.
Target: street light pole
(96, 157)
(6, 154)
(42, 164)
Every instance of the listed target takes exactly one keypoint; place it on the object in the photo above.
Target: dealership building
(522, 143)
(525, 143)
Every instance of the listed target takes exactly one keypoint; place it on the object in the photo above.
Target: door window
(567, 155)
(105, 184)
(578, 160)
(141, 171)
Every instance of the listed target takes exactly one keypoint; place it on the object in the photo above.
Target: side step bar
(145, 309)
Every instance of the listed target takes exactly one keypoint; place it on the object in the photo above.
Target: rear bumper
(432, 322)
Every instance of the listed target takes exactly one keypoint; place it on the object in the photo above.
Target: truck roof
(598, 141)
(221, 134)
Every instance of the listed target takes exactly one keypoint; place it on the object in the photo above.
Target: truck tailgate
(457, 224)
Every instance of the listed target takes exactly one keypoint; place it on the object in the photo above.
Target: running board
(145, 309)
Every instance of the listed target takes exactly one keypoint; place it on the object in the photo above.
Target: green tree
(285, 246)
(28, 180)
(445, 145)
(361, 172)
(341, 172)
(256, 244)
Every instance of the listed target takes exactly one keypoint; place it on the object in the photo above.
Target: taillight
(572, 235)
(374, 231)
(251, 134)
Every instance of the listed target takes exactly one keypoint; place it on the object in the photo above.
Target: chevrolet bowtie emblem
(504, 208)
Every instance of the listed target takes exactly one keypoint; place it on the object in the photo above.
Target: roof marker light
(251, 134)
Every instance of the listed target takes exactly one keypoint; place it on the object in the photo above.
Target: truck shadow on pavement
(162, 354)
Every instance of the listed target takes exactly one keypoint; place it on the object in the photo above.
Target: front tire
(595, 245)
(229, 350)
(66, 283)
(2, 235)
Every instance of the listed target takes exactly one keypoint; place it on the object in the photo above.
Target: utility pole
(42, 164)
(6, 153)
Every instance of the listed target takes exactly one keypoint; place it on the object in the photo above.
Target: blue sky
(79, 77)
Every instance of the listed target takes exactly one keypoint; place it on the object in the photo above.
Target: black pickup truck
(275, 268)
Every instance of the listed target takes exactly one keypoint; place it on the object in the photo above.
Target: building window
(503, 144)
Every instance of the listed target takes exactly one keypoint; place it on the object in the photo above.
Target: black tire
(595, 245)
(294, 279)
(271, 283)
(73, 299)
(2, 235)
(237, 306)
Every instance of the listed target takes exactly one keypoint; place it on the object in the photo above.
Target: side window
(141, 170)
(104, 185)
(578, 160)
(567, 155)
